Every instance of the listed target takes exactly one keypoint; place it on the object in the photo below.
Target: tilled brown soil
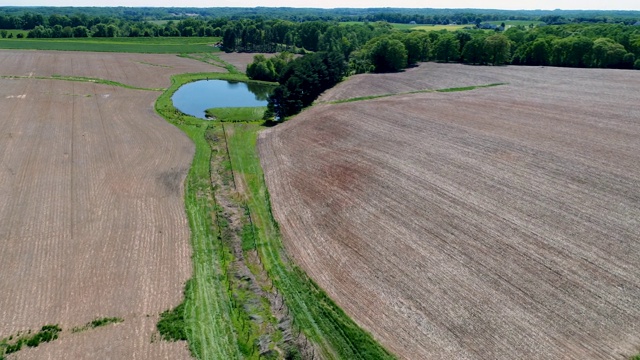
(141, 70)
(92, 220)
(435, 76)
(498, 223)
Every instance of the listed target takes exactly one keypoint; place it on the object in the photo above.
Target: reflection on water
(194, 98)
(261, 91)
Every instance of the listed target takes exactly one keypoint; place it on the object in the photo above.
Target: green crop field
(159, 22)
(440, 27)
(415, 26)
(404, 26)
(158, 45)
(508, 23)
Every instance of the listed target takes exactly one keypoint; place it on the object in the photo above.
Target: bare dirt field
(497, 223)
(434, 76)
(92, 220)
(141, 70)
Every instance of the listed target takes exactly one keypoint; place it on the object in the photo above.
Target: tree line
(571, 45)
(380, 48)
(393, 15)
(237, 23)
(377, 46)
(101, 27)
(302, 80)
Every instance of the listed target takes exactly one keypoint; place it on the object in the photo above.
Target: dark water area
(195, 97)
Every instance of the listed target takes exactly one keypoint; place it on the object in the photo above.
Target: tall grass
(238, 114)
(313, 311)
(206, 311)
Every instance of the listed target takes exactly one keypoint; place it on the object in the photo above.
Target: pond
(195, 97)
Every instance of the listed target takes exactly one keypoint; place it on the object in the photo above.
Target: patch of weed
(467, 88)
(172, 324)
(97, 323)
(15, 343)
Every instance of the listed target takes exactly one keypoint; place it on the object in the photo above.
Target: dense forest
(395, 15)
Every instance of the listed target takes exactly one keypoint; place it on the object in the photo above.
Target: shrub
(105, 321)
(46, 334)
(172, 325)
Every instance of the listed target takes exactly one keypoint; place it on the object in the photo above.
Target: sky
(485, 4)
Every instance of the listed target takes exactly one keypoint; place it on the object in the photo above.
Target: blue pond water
(195, 97)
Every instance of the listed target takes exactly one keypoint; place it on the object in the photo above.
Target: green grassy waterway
(212, 319)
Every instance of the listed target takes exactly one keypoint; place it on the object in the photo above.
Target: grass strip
(100, 81)
(313, 311)
(156, 65)
(208, 318)
(81, 79)
(467, 88)
(211, 59)
(454, 89)
(251, 318)
(236, 114)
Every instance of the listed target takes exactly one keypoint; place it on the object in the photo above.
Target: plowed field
(497, 223)
(92, 219)
(141, 70)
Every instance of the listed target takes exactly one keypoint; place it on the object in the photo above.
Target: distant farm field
(424, 27)
(500, 222)
(508, 23)
(439, 27)
(139, 70)
(92, 216)
(153, 45)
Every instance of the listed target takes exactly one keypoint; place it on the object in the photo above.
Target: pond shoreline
(196, 97)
